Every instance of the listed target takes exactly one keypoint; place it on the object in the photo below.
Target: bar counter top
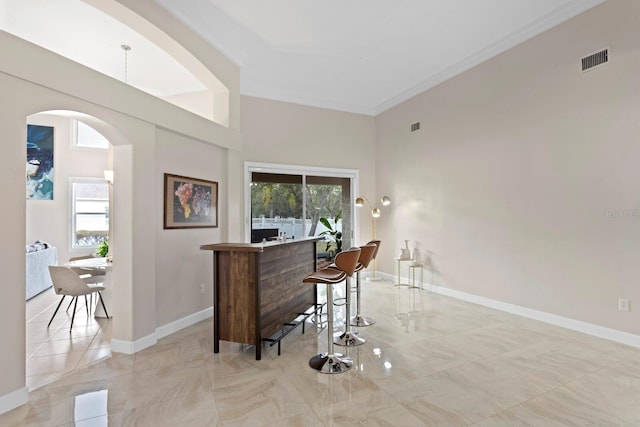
(253, 247)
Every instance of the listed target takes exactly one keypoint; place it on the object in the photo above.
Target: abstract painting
(39, 162)
(190, 202)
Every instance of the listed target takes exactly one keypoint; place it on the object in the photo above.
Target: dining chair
(66, 282)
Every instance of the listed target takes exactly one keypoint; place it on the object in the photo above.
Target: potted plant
(332, 232)
(103, 249)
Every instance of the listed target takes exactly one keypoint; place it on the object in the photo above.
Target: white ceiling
(361, 56)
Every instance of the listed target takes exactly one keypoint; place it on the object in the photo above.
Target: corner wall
(522, 184)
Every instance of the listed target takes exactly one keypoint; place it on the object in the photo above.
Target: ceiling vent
(415, 126)
(595, 59)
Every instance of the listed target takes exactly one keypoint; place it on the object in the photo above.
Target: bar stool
(348, 338)
(359, 319)
(346, 262)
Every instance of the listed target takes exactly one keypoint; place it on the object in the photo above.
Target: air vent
(595, 59)
(415, 126)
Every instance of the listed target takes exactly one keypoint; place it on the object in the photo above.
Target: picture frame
(190, 202)
(40, 176)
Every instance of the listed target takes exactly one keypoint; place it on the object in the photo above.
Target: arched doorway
(65, 223)
(28, 99)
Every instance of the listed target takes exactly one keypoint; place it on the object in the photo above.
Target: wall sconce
(108, 176)
(375, 213)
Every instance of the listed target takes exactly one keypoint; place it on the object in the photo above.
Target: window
(300, 203)
(90, 212)
(88, 137)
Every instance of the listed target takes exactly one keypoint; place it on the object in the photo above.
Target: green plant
(103, 249)
(332, 232)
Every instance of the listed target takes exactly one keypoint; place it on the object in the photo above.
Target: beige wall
(523, 181)
(185, 267)
(147, 134)
(284, 133)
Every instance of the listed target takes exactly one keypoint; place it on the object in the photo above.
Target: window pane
(89, 137)
(276, 206)
(90, 213)
(328, 214)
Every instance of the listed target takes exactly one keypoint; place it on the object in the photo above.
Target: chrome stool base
(335, 363)
(360, 320)
(348, 339)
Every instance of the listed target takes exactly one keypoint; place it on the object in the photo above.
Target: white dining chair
(66, 282)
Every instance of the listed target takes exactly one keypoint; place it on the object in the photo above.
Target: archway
(25, 99)
(76, 179)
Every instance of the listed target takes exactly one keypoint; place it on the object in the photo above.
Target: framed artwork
(39, 162)
(190, 202)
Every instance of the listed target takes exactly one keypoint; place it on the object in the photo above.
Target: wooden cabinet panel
(258, 288)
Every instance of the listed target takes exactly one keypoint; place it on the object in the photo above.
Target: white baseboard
(131, 347)
(553, 319)
(185, 322)
(14, 399)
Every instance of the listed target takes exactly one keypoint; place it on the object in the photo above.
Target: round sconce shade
(386, 201)
(375, 212)
(359, 202)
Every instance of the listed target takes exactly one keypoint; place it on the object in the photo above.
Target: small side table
(412, 275)
(400, 261)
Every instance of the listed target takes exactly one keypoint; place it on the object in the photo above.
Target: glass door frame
(304, 171)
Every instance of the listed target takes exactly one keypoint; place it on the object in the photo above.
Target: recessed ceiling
(363, 56)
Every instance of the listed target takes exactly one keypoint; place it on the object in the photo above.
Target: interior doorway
(69, 220)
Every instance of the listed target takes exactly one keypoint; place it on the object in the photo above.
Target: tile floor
(53, 352)
(428, 361)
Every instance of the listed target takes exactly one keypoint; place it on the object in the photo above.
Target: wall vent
(415, 126)
(595, 59)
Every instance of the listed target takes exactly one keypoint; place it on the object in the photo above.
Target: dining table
(101, 264)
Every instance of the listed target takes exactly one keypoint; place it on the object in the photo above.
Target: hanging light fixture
(126, 49)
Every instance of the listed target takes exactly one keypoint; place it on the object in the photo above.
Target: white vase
(417, 257)
(404, 252)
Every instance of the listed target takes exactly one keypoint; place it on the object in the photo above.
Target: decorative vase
(404, 252)
(417, 256)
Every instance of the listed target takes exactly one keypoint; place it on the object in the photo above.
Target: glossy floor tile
(58, 349)
(429, 360)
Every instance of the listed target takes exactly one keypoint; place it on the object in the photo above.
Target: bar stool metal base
(348, 339)
(360, 320)
(335, 363)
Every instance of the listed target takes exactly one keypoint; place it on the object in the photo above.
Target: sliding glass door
(302, 203)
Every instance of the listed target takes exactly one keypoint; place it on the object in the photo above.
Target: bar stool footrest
(290, 326)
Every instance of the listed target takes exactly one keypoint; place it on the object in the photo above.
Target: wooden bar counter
(258, 289)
